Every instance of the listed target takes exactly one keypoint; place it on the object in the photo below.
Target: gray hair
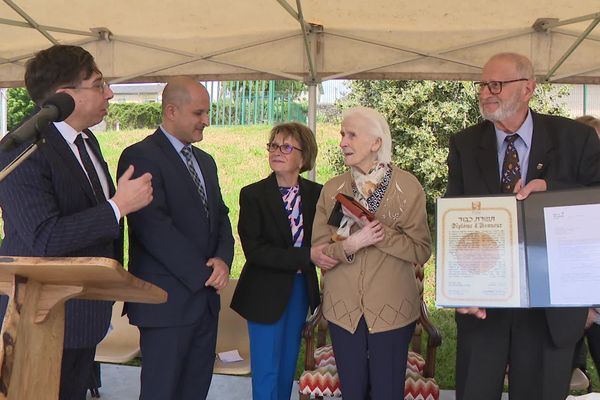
(377, 127)
(522, 64)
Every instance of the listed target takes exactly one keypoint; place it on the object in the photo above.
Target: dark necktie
(88, 165)
(187, 153)
(511, 171)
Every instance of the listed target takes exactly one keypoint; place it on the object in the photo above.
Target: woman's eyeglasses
(284, 148)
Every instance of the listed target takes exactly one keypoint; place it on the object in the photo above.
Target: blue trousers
(274, 348)
(371, 365)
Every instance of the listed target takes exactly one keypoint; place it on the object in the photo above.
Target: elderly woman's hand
(371, 233)
(320, 259)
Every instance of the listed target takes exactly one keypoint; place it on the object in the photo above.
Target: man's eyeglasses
(284, 148)
(495, 87)
(101, 87)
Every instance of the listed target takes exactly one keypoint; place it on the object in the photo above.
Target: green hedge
(133, 116)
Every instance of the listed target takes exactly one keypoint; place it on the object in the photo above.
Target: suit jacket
(171, 239)
(49, 210)
(564, 153)
(265, 285)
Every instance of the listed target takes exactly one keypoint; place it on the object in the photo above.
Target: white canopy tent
(307, 40)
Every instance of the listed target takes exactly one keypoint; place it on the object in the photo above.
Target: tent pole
(312, 118)
(3, 111)
(571, 49)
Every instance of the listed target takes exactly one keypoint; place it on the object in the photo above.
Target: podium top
(101, 278)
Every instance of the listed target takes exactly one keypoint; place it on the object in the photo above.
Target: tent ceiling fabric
(145, 41)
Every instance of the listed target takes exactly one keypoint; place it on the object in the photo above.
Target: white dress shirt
(70, 134)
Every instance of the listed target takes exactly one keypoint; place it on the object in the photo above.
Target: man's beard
(506, 109)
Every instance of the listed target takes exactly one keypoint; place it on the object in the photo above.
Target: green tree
(293, 87)
(423, 114)
(19, 105)
(133, 115)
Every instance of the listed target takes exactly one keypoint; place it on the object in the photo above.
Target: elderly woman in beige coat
(370, 294)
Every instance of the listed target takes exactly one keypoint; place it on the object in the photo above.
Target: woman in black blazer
(278, 282)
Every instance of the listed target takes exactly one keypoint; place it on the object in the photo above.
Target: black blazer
(265, 284)
(49, 210)
(171, 239)
(565, 153)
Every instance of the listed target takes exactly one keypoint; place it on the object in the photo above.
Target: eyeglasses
(495, 87)
(101, 87)
(284, 148)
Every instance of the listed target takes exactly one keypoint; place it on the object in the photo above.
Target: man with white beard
(516, 150)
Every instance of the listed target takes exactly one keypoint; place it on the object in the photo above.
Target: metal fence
(584, 100)
(253, 102)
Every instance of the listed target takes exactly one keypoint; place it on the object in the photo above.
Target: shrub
(133, 116)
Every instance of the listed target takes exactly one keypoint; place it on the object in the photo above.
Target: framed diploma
(478, 260)
(499, 252)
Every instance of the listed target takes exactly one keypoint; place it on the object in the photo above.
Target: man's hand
(220, 275)
(536, 185)
(321, 259)
(371, 233)
(133, 194)
(478, 312)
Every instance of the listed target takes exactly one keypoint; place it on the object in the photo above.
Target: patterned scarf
(293, 207)
(363, 187)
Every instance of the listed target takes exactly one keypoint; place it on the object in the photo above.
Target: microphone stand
(20, 158)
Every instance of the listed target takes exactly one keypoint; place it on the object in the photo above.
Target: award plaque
(497, 251)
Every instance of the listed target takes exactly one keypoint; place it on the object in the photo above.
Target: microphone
(57, 108)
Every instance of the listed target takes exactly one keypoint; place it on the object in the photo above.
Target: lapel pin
(539, 166)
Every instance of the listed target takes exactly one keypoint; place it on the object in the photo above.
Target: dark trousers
(177, 362)
(76, 368)
(371, 363)
(593, 341)
(519, 338)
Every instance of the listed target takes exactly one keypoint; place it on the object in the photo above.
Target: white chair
(233, 335)
(122, 343)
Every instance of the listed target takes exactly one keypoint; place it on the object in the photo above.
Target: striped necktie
(187, 153)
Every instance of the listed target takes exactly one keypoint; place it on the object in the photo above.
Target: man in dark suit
(62, 201)
(181, 242)
(547, 153)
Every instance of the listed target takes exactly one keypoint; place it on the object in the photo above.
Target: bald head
(179, 91)
(521, 64)
(185, 109)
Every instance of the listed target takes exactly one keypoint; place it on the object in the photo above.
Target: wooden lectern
(33, 329)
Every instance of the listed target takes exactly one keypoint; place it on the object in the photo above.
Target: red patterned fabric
(324, 356)
(415, 363)
(324, 381)
(416, 387)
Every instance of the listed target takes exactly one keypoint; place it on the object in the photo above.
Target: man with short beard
(519, 151)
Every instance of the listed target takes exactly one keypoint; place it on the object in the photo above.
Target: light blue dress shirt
(523, 145)
(178, 146)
